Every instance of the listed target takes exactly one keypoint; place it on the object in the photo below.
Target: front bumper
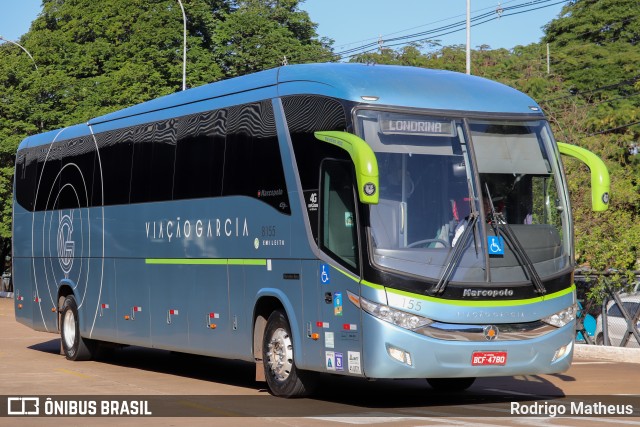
(436, 358)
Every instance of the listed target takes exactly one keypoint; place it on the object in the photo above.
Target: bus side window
(141, 172)
(305, 115)
(26, 170)
(163, 155)
(77, 169)
(48, 170)
(252, 161)
(116, 157)
(200, 156)
(338, 227)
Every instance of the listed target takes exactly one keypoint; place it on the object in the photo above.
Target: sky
(352, 23)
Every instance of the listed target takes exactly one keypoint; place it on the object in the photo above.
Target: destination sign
(412, 125)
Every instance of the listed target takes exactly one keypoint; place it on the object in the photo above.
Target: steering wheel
(427, 241)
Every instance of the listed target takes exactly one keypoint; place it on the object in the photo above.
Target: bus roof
(405, 86)
(389, 85)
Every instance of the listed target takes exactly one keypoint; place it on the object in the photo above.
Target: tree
(259, 34)
(594, 46)
(97, 57)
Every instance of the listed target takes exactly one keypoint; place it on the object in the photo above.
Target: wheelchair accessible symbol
(495, 245)
(324, 274)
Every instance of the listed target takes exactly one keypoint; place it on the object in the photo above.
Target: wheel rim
(280, 354)
(69, 329)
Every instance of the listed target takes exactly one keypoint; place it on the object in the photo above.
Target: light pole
(21, 47)
(184, 47)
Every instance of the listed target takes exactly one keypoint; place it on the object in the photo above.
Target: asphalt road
(196, 390)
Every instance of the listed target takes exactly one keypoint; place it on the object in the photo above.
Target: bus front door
(338, 239)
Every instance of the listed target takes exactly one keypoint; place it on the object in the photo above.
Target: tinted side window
(115, 157)
(141, 172)
(253, 166)
(211, 154)
(25, 177)
(306, 114)
(76, 174)
(153, 160)
(47, 184)
(200, 155)
(56, 176)
(162, 160)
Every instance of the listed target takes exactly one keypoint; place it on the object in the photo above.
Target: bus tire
(283, 378)
(450, 384)
(73, 345)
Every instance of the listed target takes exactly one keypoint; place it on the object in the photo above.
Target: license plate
(484, 358)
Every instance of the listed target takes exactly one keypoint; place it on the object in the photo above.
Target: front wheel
(73, 345)
(283, 378)
(450, 384)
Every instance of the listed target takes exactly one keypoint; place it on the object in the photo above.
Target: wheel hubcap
(69, 329)
(280, 354)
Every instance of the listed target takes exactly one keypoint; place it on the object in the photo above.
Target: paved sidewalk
(611, 354)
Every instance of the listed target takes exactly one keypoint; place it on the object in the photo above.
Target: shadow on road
(51, 346)
(335, 393)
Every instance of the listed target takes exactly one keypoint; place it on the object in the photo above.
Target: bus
(361, 220)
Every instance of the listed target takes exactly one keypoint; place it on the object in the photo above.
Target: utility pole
(548, 60)
(468, 36)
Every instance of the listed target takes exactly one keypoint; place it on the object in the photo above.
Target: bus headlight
(394, 316)
(562, 317)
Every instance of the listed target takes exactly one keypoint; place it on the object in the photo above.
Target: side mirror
(363, 158)
(600, 185)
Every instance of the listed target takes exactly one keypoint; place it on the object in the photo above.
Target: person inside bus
(463, 224)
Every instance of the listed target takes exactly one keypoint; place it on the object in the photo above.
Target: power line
(632, 80)
(614, 99)
(418, 26)
(447, 29)
(612, 129)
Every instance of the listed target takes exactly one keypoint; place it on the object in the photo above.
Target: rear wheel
(450, 384)
(283, 378)
(73, 345)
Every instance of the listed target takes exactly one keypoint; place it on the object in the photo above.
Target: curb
(611, 354)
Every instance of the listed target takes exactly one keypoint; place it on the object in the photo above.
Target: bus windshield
(520, 179)
(428, 194)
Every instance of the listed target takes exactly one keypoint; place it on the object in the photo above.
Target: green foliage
(595, 42)
(97, 57)
(258, 34)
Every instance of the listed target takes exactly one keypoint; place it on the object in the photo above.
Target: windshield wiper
(456, 255)
(500, 227)
(458, 250)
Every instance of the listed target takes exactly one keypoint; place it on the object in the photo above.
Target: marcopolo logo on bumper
(490, 293)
